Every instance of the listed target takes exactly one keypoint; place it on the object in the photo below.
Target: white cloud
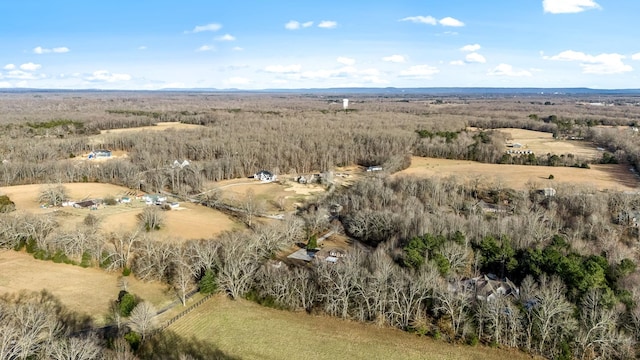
(394, 58)
(635, 56)
(568, 6)
(456, 62)
(327, 24)
(283, 69)
(601, 64)
(470, 47)
(205, 48)
(420, 71)
(292, 25)
(5, 84)
(295, 25)
(30, 66)
(59, 50)
(237, 48)
(430, 20)
(346, 60)
(106, 76)
(9, 67)
(23, 75)
(507, 70)
(474, 57)
(226, 37)
(208, 27)
(449, 21)
(142, 47)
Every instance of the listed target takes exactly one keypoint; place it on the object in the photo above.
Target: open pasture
(285, 192)
(85, 290)
(161, 126)
(190, 221)
(521, 177)
(250, 331)
(542, 143)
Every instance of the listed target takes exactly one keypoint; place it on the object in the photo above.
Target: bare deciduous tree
(53, 195)
(151, 218)
(142, 318)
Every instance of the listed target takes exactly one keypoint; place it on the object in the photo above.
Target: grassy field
(285, 192)
(190, 221)
(85, 290)
(249, 331)
(542, 143)
(522, 177)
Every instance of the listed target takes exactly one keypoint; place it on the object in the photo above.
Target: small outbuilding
(265, 176)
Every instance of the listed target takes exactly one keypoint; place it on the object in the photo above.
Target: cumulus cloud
(394, 58)
(420, 71)
(205, 48)
(9, 67)
(283, 69)
(295, 25)
(142, 47)
(327, 24)
(456, 62)
(226, 37)
(58, 50)
(5, 84)
(106, 76)
(430, 20)
(507, 70)
(237, 48)
(22, 75)
(474, 57)
(292, 25)
(207, 27)
(346, 60)
(635, 56)
(568, 6)
(30, 66)
(470, 48)
(449, 21)
(602, 64)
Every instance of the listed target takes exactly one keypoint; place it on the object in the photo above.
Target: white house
(265, 176)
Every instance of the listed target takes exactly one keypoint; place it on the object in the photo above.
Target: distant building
(265, 176)
(99, 154)
(154, 199)
(374, 168)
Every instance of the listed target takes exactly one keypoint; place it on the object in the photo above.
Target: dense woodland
(573, 256)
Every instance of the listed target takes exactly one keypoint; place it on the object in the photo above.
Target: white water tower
(345, 104)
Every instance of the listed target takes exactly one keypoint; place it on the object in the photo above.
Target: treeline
(288, 134)
(570, 255)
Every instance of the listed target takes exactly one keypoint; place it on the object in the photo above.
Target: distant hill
(441, 91)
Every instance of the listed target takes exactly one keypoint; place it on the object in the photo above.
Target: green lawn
(246, 330)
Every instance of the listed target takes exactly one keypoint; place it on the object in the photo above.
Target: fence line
(185, 312)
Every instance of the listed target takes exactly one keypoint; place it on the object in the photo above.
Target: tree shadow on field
(169, 345)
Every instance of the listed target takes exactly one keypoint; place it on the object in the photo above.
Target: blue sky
(317, 44)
